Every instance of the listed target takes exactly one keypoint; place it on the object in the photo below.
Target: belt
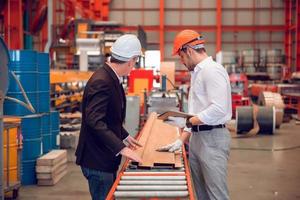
(206, 127)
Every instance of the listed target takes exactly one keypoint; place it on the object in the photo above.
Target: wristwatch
(188, 123)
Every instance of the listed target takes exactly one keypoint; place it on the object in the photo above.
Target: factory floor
(262, 167)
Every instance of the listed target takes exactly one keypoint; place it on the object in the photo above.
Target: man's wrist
(188, 123)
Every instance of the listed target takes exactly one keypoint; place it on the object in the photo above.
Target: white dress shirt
(210, 93)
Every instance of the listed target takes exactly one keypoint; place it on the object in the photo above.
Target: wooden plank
(52, 158)
(155, 134)
(49, 182)
(49, 169)
(168, 69)
(53, 174)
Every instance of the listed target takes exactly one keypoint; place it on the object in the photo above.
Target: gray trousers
(208, 156)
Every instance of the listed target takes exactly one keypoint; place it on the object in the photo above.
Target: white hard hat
(126, 47)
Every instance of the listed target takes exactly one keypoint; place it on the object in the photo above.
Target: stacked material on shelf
(51, 167)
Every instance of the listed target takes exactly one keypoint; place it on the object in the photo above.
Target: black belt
(206, 127)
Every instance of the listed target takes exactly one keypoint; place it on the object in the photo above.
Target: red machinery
(239, 91)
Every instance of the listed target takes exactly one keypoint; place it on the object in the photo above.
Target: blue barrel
(46, 133)
(28, 175)
(44, 82)
(54, 117)
(32, 139)
(24, 64)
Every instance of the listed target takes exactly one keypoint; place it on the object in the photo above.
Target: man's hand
(175, 146)
(176, 121)
(131, 142)
(131, 155)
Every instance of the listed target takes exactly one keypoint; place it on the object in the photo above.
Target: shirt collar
(203, 63)
(120, 80)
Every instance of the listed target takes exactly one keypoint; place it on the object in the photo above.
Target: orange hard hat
(186, 37)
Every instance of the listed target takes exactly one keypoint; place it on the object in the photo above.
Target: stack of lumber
(51, 167)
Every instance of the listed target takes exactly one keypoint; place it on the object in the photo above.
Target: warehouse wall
(203, 13)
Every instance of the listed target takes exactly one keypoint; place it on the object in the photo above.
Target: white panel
(117, 3)
(278, 36)
(244, 36)
(173, 3)
(241, 47)
(151, 3)
(263, 3)
(208, 3)
(169, 36)
(245, 4)
(228, 3)
(227, 47)
(228, 18)
(151, 18)
(133, 18)
(228, 36)
(168, 50)
(278, 17)
(116, 16)
(208, 18)
(262, 36)
(209, 36)
(190, 3)
(171, 18)
(152, 36)
(278, 3)
(133, 3)
(190, 18)
(244, 17)
(262, 18)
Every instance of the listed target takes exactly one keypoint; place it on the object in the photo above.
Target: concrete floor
(263, 167)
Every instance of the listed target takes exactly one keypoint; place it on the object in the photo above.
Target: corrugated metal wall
(203, 13)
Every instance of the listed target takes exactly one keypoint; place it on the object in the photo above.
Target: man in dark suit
(103, 138)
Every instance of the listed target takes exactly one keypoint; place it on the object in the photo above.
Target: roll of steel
(273, 99)
(265, 117)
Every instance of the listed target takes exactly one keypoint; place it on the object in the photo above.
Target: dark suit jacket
(103, 113)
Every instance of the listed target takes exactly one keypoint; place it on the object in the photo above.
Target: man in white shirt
(210, 104)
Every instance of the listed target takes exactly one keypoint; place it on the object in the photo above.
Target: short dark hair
(200, 50)
(117, 61)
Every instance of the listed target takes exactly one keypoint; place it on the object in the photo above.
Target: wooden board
(49, 169)
(156, 134)
(53, 181)
(167, 114)
(168, 69)
(53, 174)
(52, 158)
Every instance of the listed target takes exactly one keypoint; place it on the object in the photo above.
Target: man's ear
(189, 51)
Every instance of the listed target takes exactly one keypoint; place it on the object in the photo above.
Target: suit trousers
(208, 157)
(99, 182)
